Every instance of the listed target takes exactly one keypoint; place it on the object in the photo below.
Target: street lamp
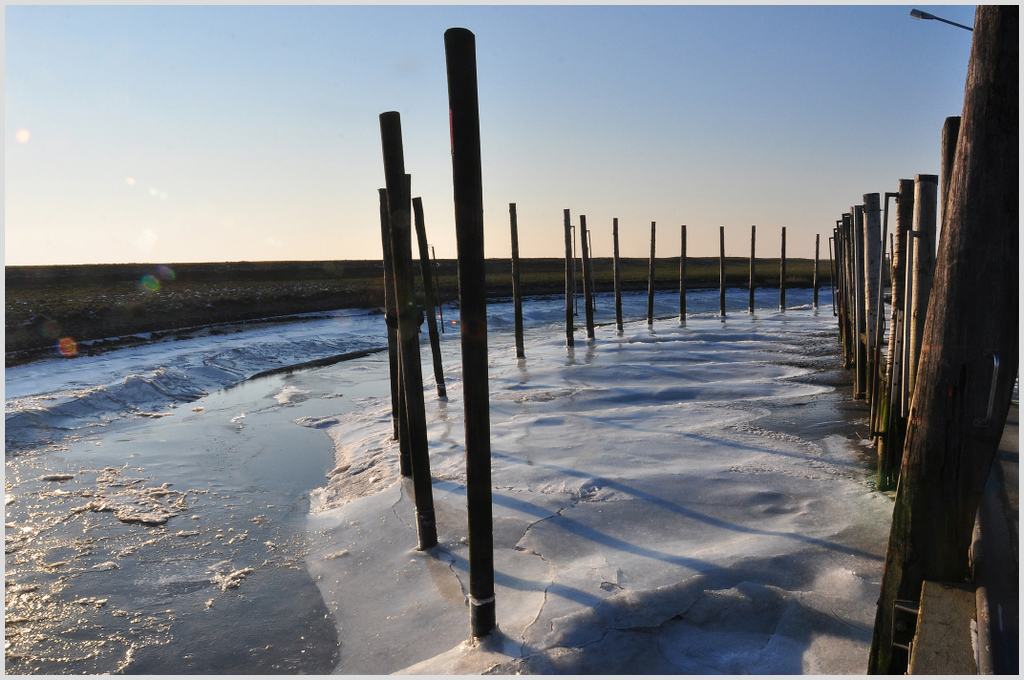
(918, 14)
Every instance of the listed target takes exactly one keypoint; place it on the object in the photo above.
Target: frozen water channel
(676, 499)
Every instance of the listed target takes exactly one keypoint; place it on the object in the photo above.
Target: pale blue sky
(252, 133)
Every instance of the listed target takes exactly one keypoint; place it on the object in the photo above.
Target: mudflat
(87, 309)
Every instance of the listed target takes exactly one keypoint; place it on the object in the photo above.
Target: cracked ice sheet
(644, 520)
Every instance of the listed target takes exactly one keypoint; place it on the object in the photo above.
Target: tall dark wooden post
(753, 235)
(391, 321)
(517, 291)
(817, 246)
(570, 282)
(682, 275)
(650, 283)
(464, 112)
(857, 248)
(428, 296)
(616, 281)
(588, 282)
(782, 274)
(408, 328)
(872, 267)
(950, 133)
(890, 448)
(969, 356)
(721, 270)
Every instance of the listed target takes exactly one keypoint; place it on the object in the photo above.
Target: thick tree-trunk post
(959, 412)
(588, 283)
(872, 265)
(923, 261)
(890, 448)
(817, 246)
(570, 281)
(879, 390)
(650, 283)
(408, 328)
(390, 317)
(753, 235)
(782, 274)
(460, 52)
(950, 133)
(859, 334)
(517, 291)
(721, 271)
(616, 280)
(849, 296)
(682, 275)
(428, 296)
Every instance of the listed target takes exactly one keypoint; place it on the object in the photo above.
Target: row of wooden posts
(939, 391)
(588, 275)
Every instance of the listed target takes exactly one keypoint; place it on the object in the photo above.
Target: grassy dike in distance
(104, 303)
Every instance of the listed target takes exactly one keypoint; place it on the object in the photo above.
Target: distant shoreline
(108, 306)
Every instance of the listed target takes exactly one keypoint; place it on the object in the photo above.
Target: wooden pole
(616, 281)
(682, 275)
(782, 274)
(721, 270)
(923, 261)
(872, 266)
(950, 133)
(890, 451)
(428, 296)
(517, 291)
(753, 239)
(588, 283)
(570, 280)
(408, 329)
(969, 356)
(832, 272)
(593, 290)
(437, 288)
(650, 283)
(858, 277)
(460, 53)
(391, 321)
(849, 326)
(817, 245)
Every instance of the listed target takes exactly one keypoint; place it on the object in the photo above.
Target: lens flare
(67, 347)
(165, 272)
(149, 282)
(130, 181)
(23, 136)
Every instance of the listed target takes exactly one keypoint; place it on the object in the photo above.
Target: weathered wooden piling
(782, 274)
(650, 283)
(872, 266)
(890, 451)
(517, 291)
(753, 239)
(570, 282)
(408, 329)
(817, 246)
(464, 112)
(832, 272)
(969, 356)
(861, 357)
(428, 296)
(616, 280)
(721, 270)
(391, 321)
(950, 133)
(682, 275)
(588, 282)
(437, 288)
(922, 263)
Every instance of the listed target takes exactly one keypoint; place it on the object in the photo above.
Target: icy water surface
(156, 501)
